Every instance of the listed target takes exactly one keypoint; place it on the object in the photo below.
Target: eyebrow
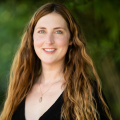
(59, 28)
(54, 28)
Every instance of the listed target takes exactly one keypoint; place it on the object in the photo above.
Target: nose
(49, 39)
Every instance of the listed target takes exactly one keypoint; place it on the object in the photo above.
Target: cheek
(63, 42)
(38, 41)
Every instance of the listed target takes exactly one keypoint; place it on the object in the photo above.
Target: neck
(51, 73)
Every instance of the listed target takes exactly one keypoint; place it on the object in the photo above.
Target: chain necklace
(40, 99)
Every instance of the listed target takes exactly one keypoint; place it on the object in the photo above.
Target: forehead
(52, 20)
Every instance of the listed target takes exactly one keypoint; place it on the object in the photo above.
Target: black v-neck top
(54, 112)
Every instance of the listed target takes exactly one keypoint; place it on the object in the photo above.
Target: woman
(52, 75)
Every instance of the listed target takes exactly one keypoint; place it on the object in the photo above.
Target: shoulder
(19, 113)
(99, 104)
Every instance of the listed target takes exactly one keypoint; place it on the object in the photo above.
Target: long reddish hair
(79, 102)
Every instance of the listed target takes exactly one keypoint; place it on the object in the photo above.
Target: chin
(48, 62)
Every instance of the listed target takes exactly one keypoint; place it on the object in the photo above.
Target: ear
(70, 43)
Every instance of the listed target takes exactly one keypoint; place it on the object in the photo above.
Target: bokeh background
(100, 23)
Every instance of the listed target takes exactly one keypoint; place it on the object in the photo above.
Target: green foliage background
(100, 24)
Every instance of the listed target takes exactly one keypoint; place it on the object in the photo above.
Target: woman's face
(51, 38)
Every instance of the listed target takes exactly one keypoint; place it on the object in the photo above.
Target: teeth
(49, 49)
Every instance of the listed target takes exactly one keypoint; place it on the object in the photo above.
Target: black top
(54, 112)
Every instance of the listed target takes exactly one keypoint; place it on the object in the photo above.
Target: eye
(59, 32)
(41, 31)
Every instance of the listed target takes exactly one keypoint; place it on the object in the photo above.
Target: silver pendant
(40, 99)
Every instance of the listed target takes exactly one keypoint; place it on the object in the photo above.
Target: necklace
(40, 99)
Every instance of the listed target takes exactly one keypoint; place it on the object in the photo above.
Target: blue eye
(59, 32)
(41, 31)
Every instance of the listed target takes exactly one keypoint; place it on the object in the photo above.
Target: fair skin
(51, 40)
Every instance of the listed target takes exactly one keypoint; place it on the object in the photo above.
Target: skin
(51, 32)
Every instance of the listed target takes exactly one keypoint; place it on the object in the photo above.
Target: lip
(49, 52)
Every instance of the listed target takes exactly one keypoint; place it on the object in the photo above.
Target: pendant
(40, 99)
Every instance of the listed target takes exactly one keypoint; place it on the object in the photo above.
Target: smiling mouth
(49, 49)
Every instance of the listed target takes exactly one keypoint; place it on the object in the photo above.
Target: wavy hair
(79, 102)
